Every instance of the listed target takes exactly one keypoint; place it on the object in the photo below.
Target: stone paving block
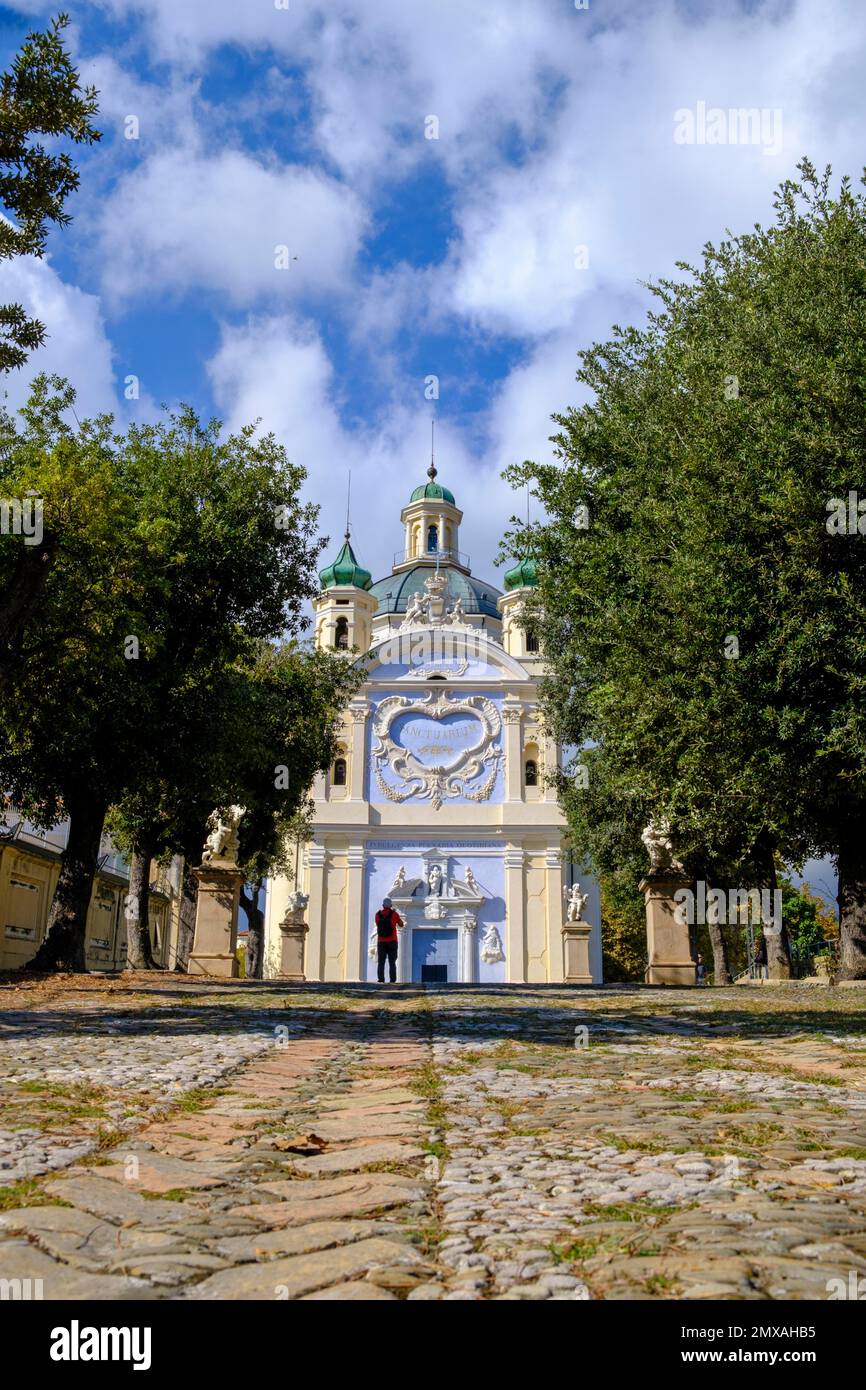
(352, 1292)
(355, 1156)
(161, 1173)
(21, 1261)
(301, 1274)
(113, 1201)
(300, 1240)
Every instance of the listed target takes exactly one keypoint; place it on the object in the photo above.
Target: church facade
(438, 796)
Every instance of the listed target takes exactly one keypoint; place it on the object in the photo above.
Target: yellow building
(29, 869)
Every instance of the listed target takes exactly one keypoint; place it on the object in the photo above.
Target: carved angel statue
(400, 881)
(222, 842)
(457, 615)
(434, 881)
(657, 840)
(576, 901)
(298, 901)
(416, 610)
(491, 946)
(471, 882)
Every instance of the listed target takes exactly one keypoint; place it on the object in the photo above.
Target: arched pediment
(422, 654)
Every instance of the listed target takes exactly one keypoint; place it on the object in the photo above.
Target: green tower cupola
(345, 570)
(433, 492)
(522, 576)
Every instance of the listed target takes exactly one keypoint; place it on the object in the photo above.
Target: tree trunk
(139, 955)
(63, 947)
(139, 952)
(851, 867)
(255, 930)
(186, 925)
(719, 943)
(778, 946)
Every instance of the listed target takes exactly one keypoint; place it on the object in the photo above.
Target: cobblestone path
(166, 1139)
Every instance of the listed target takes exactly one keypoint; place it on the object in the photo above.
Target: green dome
(523, 576)
(435, 491)
(395, 591)
(345, 570)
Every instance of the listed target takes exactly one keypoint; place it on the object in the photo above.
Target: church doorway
(434, 956)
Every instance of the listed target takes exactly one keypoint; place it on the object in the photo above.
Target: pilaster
(515, 914)
(512, 716)
(317, 860)
(360, 713)
(357, 928)
(553, 871)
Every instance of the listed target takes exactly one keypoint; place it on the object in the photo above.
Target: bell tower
(519, 641)
(431, 523)
(344, 609)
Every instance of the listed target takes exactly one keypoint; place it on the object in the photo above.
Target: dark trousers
(387, 952)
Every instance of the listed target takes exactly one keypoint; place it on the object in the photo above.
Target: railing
(445, 556)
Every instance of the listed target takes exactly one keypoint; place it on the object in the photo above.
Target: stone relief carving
(428, 609)
(491, 946)
(439, 781)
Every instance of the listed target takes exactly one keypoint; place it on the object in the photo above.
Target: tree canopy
(705, 632)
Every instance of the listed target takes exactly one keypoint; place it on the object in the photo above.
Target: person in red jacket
(387, 922)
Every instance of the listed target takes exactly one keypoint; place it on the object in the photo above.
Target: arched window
(338, 778)
(530, 773)
(341, 633)
(432, 538)
(531, 640)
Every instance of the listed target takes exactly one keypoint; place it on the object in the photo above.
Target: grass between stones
(200, 1097)
(28, 1193)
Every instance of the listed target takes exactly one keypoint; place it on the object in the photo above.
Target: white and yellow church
(438, 796)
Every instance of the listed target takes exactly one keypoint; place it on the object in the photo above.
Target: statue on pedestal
(576, 901)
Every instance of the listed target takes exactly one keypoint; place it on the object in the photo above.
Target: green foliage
(806, 924)
(40, 96)
(713, 441)
(137, 665)
(623, 929)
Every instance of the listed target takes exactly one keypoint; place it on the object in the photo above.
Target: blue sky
(262, 124)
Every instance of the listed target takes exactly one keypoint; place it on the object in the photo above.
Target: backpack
(385, 925)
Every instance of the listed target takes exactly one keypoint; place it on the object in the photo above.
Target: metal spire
(431, 471)
(348, 503)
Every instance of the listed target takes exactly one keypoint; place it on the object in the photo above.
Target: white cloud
(77, 346)
(277, 368)
(183, 220)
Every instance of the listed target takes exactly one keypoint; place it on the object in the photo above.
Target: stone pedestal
(216, 919)
(575, 943)
(668, 947)
(293, 934)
